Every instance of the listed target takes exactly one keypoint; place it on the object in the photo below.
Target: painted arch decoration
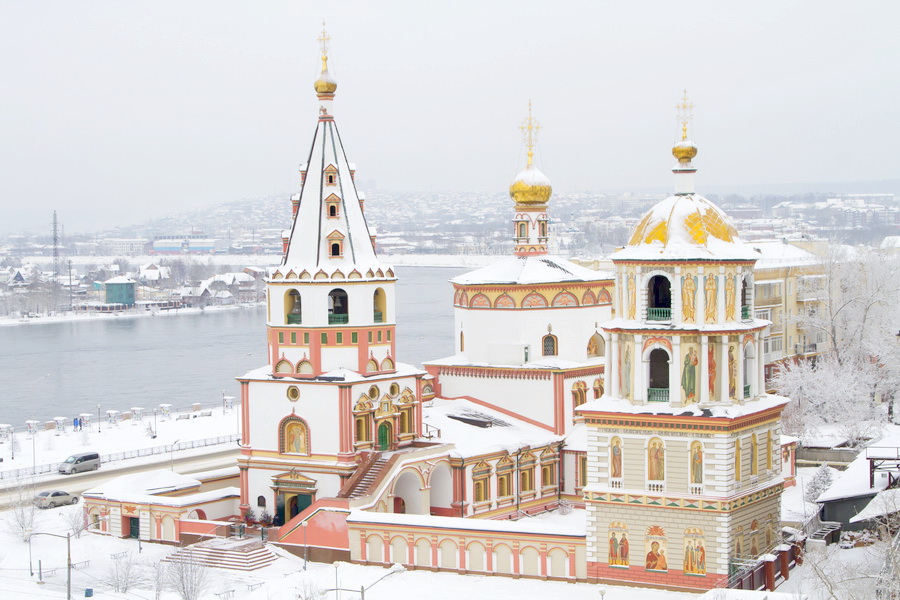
(565, 299)
(505, 301)
(534, 300)
(293, 436)
(588, 298)
(480, 301)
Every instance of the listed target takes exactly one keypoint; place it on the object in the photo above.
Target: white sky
(116, 111)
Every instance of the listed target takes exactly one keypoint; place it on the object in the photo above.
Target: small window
(280, 337)
(306, 339)
(379, 336)
(354, 338)
(324, 338)
(335, 249)
(261, 501)
(549, 345)
(388, 335)
(332, 210)
(293, 337)
(370, 337)
(339, 338)
(331, 180)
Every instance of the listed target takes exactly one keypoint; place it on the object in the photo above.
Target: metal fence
(117, 456)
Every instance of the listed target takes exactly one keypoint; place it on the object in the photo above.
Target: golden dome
(530, 187)
(325, 84)
(684, 151)
(687, 220)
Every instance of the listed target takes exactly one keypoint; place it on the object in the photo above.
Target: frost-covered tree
(124, 573)
(820, 482)
(21, 515)
(188, 578)
(75, 519)
(857, 318)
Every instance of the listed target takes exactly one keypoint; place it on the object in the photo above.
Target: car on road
(53, 498)
(78, 463)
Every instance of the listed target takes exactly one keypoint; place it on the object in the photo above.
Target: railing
(657, 394)
(294, 319)
(804, 348)
(656, 487)
(695, 488)
(747, 391)
(659, 314)
(379, 317)
(338, 319)
(616, 483)
(745, 312)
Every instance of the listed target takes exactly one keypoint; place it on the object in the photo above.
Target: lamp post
(34, 433)
(305, 547)
(98, 418)
(68, 538)
(172, 455)
(364, 588)
(602, 592)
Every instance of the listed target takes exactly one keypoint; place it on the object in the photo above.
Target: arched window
(754, 455)
(548, 345)
(579, 394)
(543, 228)
(659, 376)
(659, 299)
(769, 450)
(293, 308)
(335, 249)
(332, 210)
(338, 307)
(362, 428)
(379, 305)
(737, 460)
(746, 293)
(261, 501)
(598, 388)
(596, 346)
(523, 230)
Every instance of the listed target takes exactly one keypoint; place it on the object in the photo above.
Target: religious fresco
(618, 545)
(730, 287)
(656, 460)
(711, 291)
(688, 297)
(295, 438)
(696, 462)
(657, 551)
(694, 552)
(626, 374)
(689, 374)
(632, 296)
(732, 371)
(615, 457)
(711, 372)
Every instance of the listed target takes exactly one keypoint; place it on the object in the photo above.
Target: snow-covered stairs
(371, 477)
(226, 553)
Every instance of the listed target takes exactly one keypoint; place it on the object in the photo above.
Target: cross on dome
(685, 112)
(325, 85)
(530, 128)
(323, 40)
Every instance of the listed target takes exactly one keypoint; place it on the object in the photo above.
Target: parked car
(85, 461)
(53, 498)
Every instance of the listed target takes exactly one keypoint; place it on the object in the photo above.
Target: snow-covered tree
(857, 318)
(188, 578)
(124, 573)
(21, 515)
(820, 482)
(75, 519)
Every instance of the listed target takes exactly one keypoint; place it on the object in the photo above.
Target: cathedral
(627, 408)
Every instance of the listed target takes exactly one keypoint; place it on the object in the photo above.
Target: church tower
(333, 390)
(684, 477)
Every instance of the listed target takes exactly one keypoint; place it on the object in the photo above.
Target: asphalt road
(217, 457)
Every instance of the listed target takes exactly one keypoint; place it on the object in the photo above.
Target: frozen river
(119, 363)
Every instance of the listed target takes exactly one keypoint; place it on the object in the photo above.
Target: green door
(134, 528)
(384, 437)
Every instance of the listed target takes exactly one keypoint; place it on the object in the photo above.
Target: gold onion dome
(530, 187)
(325, 84)
(684, 151)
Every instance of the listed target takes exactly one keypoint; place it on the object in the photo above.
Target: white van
(77, 463)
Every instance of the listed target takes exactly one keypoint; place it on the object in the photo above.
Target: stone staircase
(226, 553)
(373, 474)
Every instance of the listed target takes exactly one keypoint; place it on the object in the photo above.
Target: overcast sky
(116, 111)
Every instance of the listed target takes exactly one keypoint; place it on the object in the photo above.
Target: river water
(119, 363)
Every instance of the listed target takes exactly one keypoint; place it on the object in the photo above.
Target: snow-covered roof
(630, 324)
(573, 524)
(885, 503)
(854, 481)
(781, 253)
(730, 411)
(538, 362)
(499, 432)
(730, 594)
(152, 482)
(577, 438)
(685, 227)
(531, 270)
(120, 279)
(345, 375)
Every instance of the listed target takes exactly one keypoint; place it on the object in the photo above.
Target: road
(190, 461)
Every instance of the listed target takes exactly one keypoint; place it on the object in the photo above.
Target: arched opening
(523, 231)
(749, 366)
(579, 394)
(261, 501)
(408, 490)
(441, 483)
(658, 390)
(293, 308)
(659, 299)
(548, 345)
(338, 307)
(304, 367)
(746, 293)
(379, 305)
(294, 436)
(332, 210)
(283, 366)
(387, 365)
(596, 346)
(543, 228)
(335, 249)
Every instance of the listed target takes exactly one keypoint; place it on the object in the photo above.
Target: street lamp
(397, 568)
(68, 537)
(34, 433)
(98, 418)
(602, 592)
(305, 547)
(172, 455)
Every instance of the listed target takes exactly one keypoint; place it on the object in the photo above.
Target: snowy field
(69, 317)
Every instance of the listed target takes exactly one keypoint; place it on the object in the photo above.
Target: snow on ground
(851, 571)
(282, 580)
(54, 446)
(137, 313)
(794, 509)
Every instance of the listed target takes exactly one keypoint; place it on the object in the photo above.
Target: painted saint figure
(711, 290)
(711, 370)
(656, 462)
(656, 558)
(732, 373)
(729, 298)
(613, 550)
(627, 382)
(615, 459)
(688, 294)
(696, 463)
(623, 550)
(632, 300)
(689, 561)
(689, 376)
